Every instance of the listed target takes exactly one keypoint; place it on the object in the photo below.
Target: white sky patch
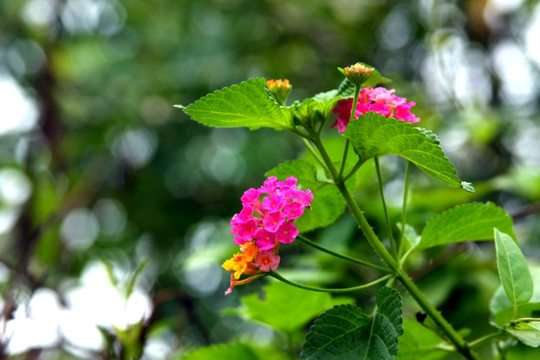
(514, 70)
(532, 35)
(18, 111)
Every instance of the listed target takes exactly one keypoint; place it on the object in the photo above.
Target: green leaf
(513, 269)
(419, 342)
(327, 205)
(305, 172)
(375, 135)
(285, 308)
(527, 331)
(500, 301)
(246, 104)
(314, 110)
(468, 222)
(410, 235)
(505, 317)
(527, 334)
(346, 332)
(223, 351)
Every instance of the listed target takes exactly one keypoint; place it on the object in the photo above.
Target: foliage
(345, 331)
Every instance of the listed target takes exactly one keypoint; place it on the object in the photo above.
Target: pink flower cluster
(262, 225)
(380, 100)
(270, 222)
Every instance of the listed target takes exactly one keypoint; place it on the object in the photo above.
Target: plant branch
(460, 344)
(484, 339)
(344, 160)
(315, 154)
(404, 208)
(385, 208)
(318, 289)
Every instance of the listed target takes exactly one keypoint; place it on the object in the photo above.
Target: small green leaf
(375, 135)
(314, 110)
(246, 104)
(468, 222)
(285, 308)
(527, 331)
(327, 205)
(410, 235)
(346, 332)
(504, 318)
(527, 334)
(513, 269)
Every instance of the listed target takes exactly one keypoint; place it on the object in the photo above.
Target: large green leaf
(513, 269)
(246, 104)
(285, 308)
(327, 205)
(468, 222)
(375, 135)
(346, 332)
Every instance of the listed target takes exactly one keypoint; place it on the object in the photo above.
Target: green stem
(351, 118)
(484, 339)
(353, 170)
(318, 289)
(345, 257)
(355, 103)
(345, 152)
(387, 258)
(404, 209)
(314, 153)
(385, 208)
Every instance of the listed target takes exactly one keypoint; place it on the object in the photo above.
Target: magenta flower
(268, 213)
(265, 240)
(287, 232)
(379, 100)
(273, 221)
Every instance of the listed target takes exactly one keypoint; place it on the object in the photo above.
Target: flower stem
(314, 153)
(404, 209)
(385, 208)
(484, 339)
(351, 118)
(345, 152)
(318, 289)
(345, 257)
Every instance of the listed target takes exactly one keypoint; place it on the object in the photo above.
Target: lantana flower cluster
(266, 220)
(379, 100)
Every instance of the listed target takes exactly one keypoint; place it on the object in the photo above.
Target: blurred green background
(114, 206)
